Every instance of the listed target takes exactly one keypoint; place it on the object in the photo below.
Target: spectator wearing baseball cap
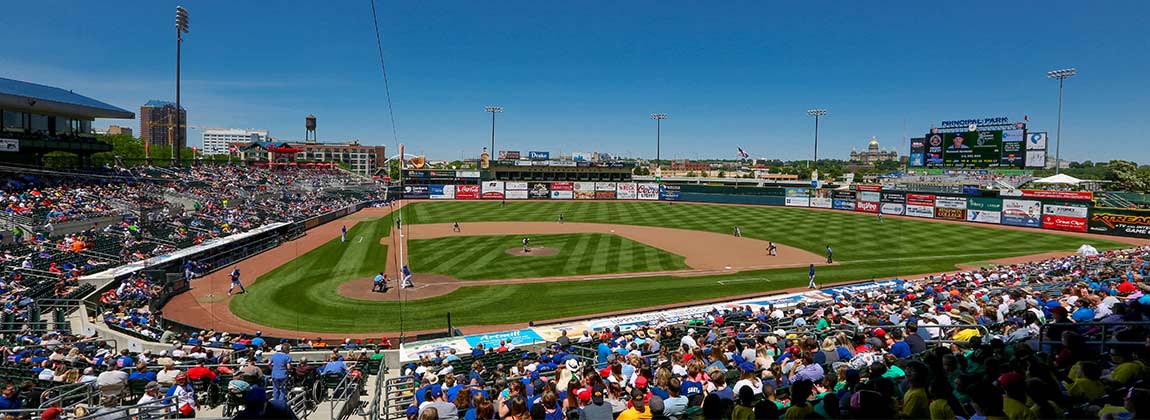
(598, 409)
(638, 410)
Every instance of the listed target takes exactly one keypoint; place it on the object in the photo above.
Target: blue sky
(584, 76)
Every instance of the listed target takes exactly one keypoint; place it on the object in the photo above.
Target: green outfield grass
(302, 293)
(485, 257)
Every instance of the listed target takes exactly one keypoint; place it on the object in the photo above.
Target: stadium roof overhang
(30, 97)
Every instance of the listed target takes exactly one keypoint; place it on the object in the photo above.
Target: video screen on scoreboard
(975, 149)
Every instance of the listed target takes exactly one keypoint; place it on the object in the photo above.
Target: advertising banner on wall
(1035, 158)
(1036, 141)
(871, 196)
(843, 195)
(562, 195)
(515, 194)
(897, 198)
(984, 216)
(920, 211)
(1068, 218)
(539, 155)
(1059, 195)
(626, 191)
(875, 188)
(842, 204)
(1022, 213)
(1124, 222)
(866, 206)
(493, 190)
(584, 191)
(441, 192)
(415, 191)
(539, 190)
(604, 195)
(669, 192)
(920, 199)
(562, 186)
(984, 210)
(981, 203)
(822, 202)
(950, 202)
(515, 186)
(893, 208)
(467, 174)
(797, 201)
(647, 191)
(466, 192)
(949, 213)
(605, 186)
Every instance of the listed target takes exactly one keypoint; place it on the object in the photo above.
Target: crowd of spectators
(1058, 338)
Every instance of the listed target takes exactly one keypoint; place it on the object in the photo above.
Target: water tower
(309, 136)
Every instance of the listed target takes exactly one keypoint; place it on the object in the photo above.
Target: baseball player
(236, 282)
(455, 227)
(879, 217)
(772, 250)
(560, 218)
(812, 285)
(526, 245)
(830, 255)
(343, 234)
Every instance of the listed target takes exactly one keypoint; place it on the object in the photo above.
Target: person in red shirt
(200, 372)
(1126, 287)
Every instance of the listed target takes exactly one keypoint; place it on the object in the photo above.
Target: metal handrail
(1104, 326)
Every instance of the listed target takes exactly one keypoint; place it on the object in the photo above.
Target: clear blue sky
(584, 76)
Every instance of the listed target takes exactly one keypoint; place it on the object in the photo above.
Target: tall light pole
(493, 110)
(181, 29)
(658, 117)
(818, 112)
(1061, 75)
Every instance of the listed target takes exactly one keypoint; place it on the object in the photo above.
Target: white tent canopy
(1058, 179)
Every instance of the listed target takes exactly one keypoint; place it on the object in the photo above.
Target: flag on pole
(742, 154)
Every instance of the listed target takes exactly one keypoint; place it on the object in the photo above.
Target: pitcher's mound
(536, 251)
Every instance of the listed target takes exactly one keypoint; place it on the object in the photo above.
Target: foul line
(743, 280)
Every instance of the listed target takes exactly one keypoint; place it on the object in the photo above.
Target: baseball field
(607, 256)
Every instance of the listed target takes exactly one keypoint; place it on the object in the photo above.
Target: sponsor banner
(539, 155)
(669, 192)
(562, 195)
(1035, 158)
(570, 163)
(919, 210)
(950, 202)
(950, 213)
(515, 185)
(843, 195)
(921, 200)
(441, 192)
(896, 198)
(466, 192)
(605, 186)
(583, 195)
(822, 202)
(797, 202)
(647, 191)
(875, 188)
(522, 163)
(626, 191)
(1059, 195)
(416, 191)
(519, 338)
(797, 192)
(893, 208)
(584, 186)
(515, 194)
(583, 164)
(1124, 222)
(1072, 224)
(604, 195)
(1075, 212)
(509, 155)
(843, 204)
(980, 203)
(539, 190)
(9, 145)
(971, 190)
(562, 186)
(866, 206)
(1022, 213)
(869, 196)
(1036, 141)
(493, 190)
(467, 174)
(984, 216)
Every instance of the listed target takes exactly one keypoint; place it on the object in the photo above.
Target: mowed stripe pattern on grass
(485, 257)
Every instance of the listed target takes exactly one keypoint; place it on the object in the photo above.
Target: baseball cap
(436, 392)
(641, 382)
(747, 367)
(152, 386)
(597, 394)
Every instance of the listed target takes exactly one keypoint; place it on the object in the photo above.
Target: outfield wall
(1070, 211)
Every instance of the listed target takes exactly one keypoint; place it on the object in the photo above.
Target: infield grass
(486, 257)
(302, 294)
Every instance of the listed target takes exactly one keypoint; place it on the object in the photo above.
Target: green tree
(1127, 176)
(691, 174)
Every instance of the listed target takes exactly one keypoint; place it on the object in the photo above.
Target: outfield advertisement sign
(669, 192)
(647, 191)
(519, 338)
(493, 190)
(539, 190)
(1022, 213)
(871, 196)
(843, 204)
(893, 203)
(984, 216)
(584, 191)
(1124, 222)
(466, 192)
(1068, 218)
(866, 206)
(416, 191)
(562, 190)
(897, 198)
(604, 195)
(984, 210)
(797, 197)
(1058, 195)
(515, 194)
(441, 192)
(919, 211)
(515, 186)
(626, 191)
(893, 208)
(950, 202)
(950, 213)
(843, 195)
(606, 186)
(822, 202)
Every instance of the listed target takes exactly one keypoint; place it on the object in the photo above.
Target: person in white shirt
(689, 339)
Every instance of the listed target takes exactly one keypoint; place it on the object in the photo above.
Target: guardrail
(1094, 329)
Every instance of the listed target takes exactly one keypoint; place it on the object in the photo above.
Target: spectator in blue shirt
(8, 399)
(1085, 312)
(604, 350)
(900, 348)
(280, 364)
(142, 372)
(334, 365)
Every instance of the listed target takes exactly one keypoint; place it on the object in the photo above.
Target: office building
(216, 140)
(158, 122)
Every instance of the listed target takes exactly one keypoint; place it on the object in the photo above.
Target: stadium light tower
(493, 110)
(181, 29)
(1061, 75)
(658, 117)
(818, 112)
